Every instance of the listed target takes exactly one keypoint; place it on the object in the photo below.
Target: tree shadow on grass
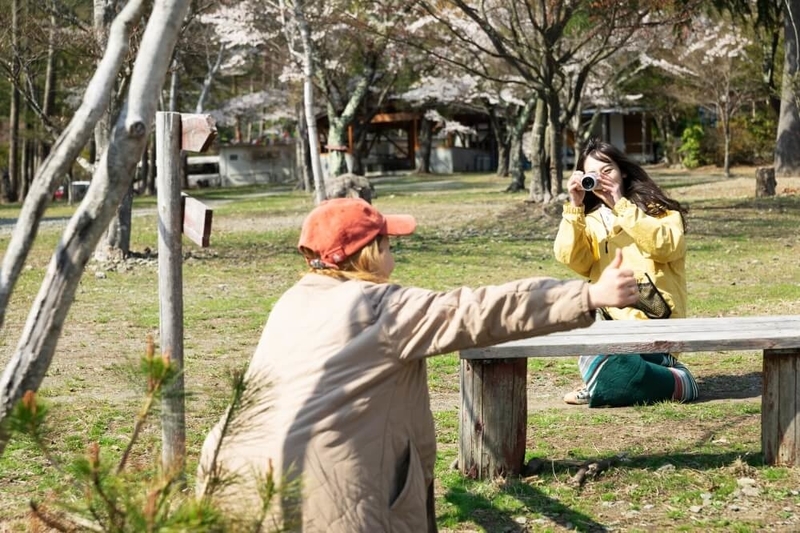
(729, 386)
(470, 506)
(691, 460)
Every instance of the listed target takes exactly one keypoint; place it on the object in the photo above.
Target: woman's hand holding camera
(575, 189)
(602, 186)
(608, 190)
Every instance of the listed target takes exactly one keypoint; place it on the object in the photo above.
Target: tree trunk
(208, 80)
(765, 182)
(337, 141)
(308, 100)
(104, 11)
(500, 132)
(338, 123)
(770, 50)
(540, 181)
(27, 163)
(49, 94)
(152, 169)
(503, 151)
(174, 84)
(787, 146)
(115, 244)
(726, 165)
(515, 162)
(516, 155)
(359, 147)
(9, 194)
(143, 170)
(303, 160)
(425, 146)
(556, 145)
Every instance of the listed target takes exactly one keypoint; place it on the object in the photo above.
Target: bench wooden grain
(493, 380)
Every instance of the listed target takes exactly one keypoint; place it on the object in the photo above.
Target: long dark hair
(637, 185)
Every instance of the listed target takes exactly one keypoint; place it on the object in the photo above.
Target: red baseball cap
(340, 227)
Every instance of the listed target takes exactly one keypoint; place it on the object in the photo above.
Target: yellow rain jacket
(652, 245)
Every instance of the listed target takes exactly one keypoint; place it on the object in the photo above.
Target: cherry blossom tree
(356, 59)
(340, 50)
(715, 66)
(233, 39)
(506, 110)
(624, 80)
(538, 39)
(467, 76)
(268, 106)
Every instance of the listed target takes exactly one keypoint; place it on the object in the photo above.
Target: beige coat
(347, 415)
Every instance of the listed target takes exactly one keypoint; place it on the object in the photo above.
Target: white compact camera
(589, 181)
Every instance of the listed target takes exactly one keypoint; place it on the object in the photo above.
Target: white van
(203, 171)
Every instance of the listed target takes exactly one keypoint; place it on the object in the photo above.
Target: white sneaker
(577, 397)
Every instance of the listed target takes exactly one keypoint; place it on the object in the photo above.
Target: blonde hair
(364, 265)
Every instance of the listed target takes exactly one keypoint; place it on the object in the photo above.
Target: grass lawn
(693, 467)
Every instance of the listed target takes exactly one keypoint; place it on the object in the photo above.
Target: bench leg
(780, 426)
(494, 417)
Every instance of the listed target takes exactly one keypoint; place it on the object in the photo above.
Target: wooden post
(174, 134)
(494, 417)
(780, 407)
(765, 181)
(170, 285)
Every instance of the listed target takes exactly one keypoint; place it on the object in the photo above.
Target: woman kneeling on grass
(346, 416)
(627, 211)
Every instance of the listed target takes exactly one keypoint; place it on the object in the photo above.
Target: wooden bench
(493, 380)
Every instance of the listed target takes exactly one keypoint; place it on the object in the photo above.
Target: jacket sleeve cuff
(570, 209)
(622, 205)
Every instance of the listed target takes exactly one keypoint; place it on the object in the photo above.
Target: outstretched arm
(423, 323)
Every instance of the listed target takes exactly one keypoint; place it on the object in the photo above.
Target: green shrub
(691, 147)
(753, 139)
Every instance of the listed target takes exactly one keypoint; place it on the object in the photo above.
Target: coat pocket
(409, 506)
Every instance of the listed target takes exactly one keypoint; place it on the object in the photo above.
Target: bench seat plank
(654, 336)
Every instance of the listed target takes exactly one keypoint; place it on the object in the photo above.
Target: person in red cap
(345, 424)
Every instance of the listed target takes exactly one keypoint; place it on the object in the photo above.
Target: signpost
(196, 220)
(177, 214)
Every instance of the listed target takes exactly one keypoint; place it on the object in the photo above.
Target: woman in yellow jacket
(615, 205)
